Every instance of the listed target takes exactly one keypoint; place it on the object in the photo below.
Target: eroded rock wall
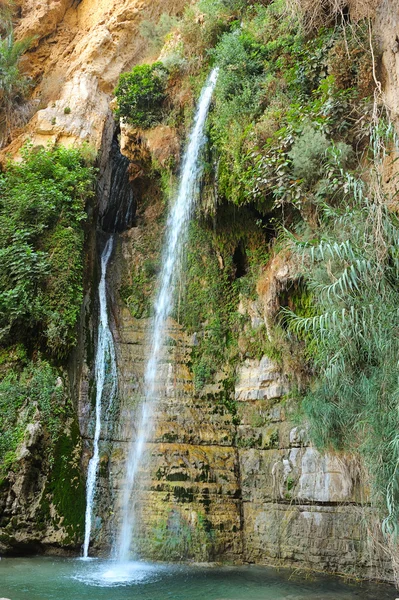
(79, 49)
(241, 485)
(235, 481)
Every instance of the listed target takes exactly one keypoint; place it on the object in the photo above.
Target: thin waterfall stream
(105, 370)
(175, 236)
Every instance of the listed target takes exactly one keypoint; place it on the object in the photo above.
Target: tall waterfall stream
(176, 233)
(116, 217)
(105, 368)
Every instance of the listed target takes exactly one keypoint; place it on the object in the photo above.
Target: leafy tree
(141, 94)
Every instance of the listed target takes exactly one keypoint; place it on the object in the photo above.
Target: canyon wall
(229, 474)
(235, 481)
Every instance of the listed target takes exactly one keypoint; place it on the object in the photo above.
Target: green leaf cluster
(13, 84)
(42, 207)
(35, 388)
(141, 94)
(282, 102)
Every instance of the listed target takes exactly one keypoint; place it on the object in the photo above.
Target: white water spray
(176, 233)
(105, 370)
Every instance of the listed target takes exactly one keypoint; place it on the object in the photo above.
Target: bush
(203, 24)
(42, 206)
(7, 8)
(308, 154)
(141, 94)
(155, 33)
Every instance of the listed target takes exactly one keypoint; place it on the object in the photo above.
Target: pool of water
(75, 579)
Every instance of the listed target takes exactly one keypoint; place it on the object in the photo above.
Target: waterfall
(176, 233)
(105, 370)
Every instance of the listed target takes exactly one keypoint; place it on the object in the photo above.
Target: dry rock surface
(79, 50)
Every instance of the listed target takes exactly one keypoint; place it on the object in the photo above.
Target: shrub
(308, 154)
(6, 14)
(203, 24)
(239, 98)
(42, 207)
(155, 33)
(140, 95)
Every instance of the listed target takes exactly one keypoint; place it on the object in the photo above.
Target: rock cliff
(235, 481)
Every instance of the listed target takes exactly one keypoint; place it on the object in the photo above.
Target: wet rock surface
(242, 485)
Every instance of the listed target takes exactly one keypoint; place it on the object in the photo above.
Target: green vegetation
(23, 393)
(6, 13)
(141, 94)
(42, 210)
(66, 487)
(298, 100)
(291, 143)
(176, 539)
(212, 285)
(139, 281)
(42, 207)
(352, 271)
(155, 33)
(294, 117)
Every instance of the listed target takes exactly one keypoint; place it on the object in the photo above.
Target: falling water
(176, 232)
(105, 370)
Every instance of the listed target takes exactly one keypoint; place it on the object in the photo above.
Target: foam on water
(117, 574)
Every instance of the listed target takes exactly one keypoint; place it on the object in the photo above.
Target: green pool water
(75, 579)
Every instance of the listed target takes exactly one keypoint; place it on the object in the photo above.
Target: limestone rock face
(387, 32)
(159, 144)
(79, 50)
(245, 486)
(324, 478)
(242, 485)
(29, 519)
(39, 19)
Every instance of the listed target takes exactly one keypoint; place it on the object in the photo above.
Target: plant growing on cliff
(42, 202)
(6, 13)
(22, 393)
(352, 271)
(155, 33)
(141, 94)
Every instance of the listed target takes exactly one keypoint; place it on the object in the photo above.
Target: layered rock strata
(235, 482)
